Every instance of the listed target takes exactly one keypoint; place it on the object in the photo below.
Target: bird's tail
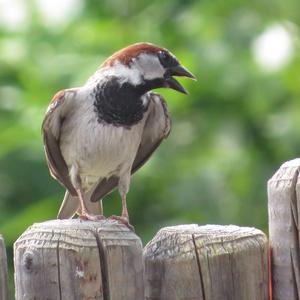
(70, 206)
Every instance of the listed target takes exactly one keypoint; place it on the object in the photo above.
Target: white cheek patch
(125, 73)
(150, 66)
(144, 67)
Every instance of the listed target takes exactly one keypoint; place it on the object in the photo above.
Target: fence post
(74, 259)
(284, 205)
(209, 262)
(3, 271)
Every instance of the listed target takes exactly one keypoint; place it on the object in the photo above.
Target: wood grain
(209, 262)
(74, 259)
(3, 271)
(284, 203)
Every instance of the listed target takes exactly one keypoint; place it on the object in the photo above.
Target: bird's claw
(88, 217)
(122, 220)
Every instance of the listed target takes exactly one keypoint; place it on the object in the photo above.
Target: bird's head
(147, 67)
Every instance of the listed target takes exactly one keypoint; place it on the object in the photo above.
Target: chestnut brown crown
(127, 54)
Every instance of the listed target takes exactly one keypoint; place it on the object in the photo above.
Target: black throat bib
(119, 104)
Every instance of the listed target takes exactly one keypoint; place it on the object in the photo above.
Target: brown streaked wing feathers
(56, 163)
(157, 128)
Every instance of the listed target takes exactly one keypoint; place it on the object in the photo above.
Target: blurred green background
(239, 123)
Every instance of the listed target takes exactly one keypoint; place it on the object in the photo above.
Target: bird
(97, 135)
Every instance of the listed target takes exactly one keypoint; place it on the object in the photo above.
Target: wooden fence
(73, 259)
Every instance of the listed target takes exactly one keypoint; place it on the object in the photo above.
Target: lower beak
(172, 83)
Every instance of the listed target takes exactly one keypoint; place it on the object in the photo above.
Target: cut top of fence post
(211, 262)
(74, 259)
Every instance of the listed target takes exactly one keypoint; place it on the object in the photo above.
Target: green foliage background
(239, 123)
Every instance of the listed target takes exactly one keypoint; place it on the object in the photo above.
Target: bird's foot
(122, 220)
(89, 217)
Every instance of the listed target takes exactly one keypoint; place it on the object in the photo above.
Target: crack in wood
(199, 267)
(103, 266)
(58, 271)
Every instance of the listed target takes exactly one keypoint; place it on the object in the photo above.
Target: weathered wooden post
(3, 271)
(284, 204)
(74, 259)
(209, 262)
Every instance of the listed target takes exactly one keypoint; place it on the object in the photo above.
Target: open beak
(172, 83)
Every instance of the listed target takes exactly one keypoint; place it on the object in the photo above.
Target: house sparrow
(96, 136)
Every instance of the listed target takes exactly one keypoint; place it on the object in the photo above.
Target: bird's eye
(166, 59)
(162, 56)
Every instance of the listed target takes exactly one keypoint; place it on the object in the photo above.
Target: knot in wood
(28, 261)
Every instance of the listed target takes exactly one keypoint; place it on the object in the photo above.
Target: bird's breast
(98, 149)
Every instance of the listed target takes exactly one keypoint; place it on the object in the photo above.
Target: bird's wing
(157, 127)
(51, 134)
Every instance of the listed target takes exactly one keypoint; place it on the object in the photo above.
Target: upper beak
(178, 70)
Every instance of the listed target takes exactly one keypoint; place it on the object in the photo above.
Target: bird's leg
(123, 190)
(94, 208)
(84, 214)
(124, 208)
(83, 211)
(101, 207)
(124, 218)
